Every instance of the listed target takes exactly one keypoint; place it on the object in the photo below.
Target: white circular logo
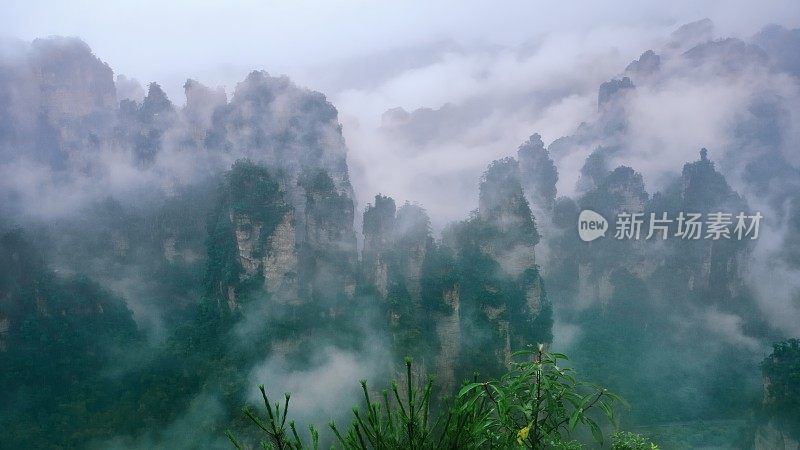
(591, 225)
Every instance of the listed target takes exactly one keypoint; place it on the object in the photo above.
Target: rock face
(610, 89)
(273, 257)
(74, 83)
(282, 221)
(201, 102)
(710, 268)
(677, 281)
(647, 64)
(64, 115)
(692, 34)
(502, 203)
(395, 245)
(539, 177)
(60, 101)
(396, 242)
(248, 236)
(271, 121)
(412, 234)
(295, 133)
(714, 268)
(621, 191)
(327, 242)
(311, 260)
(253, 192)
(504, 210)
(620, 290)
(379, 221)
(480, 281)
(280, 262)
(502, 302)
(448, 333)
(618, 191)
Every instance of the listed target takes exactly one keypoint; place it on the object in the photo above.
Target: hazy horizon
(504, 70)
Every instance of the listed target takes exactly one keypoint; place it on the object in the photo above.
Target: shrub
(537, 404)
(624, 440)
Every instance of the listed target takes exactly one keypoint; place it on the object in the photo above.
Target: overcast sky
(167, 41)
(508, 68)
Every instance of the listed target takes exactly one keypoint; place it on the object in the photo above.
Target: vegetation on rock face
(781, 372)
(646, 309)
(254, 192)
(539, 174)
(250, 198)
(480, 280)
(327, 253)
(463, 279)
(672, 325)
(57, 334)
(503, 204)
(536, 404)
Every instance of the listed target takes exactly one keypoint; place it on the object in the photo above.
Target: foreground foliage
(625, 440)
(537, 404)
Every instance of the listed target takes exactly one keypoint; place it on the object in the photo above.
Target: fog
(499, 71)
(411, 100)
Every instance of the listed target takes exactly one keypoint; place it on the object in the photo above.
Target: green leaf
(596, 433)
(573, 419)
(468, 388)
